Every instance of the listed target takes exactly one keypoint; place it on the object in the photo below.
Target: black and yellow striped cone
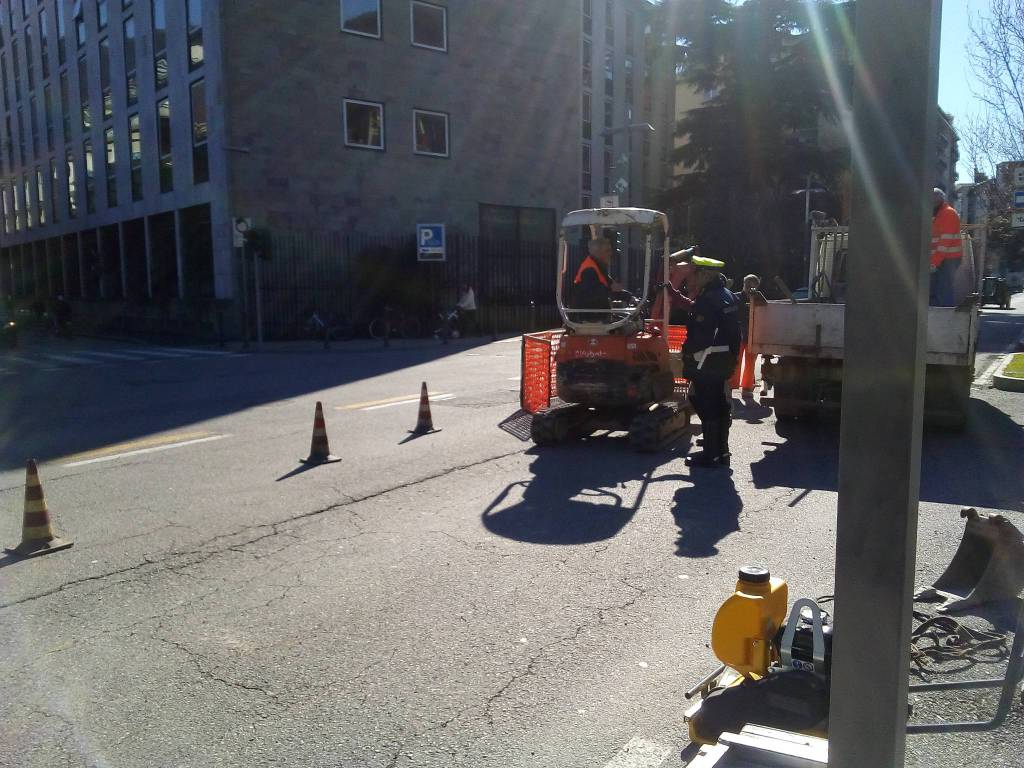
(37, 536)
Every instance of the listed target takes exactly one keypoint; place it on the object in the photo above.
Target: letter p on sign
(430, 242)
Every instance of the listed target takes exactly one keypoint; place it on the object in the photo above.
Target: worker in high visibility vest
(947, 250)
(592, 286)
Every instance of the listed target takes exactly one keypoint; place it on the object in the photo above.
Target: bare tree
(996, 51)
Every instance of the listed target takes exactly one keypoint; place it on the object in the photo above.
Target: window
(3, 75)
(40, 198)
(7, 210)
(429, 25)
(609, 73)
(194, 13)
(630, 30)
(588, 18)
(54, 182)
(79, 17)
(587, 116)
(364, 124)
(159, 43)
(61, 34)
(163, 138)
(585, 202)
(609, 114)
(361, 17)
(48, 115)
(83, 93)
(17, 208)
(588, 72)
(30, 70)
(587, 177)
(627, 76)
(72, 186)
(16, 64)
(21, 137)
(607, 169)
(33, 123)
(9, 142)
(27, 200)
(518, 226)
(101, 14)
(110, 166)
(609, 22)
(44, 44)
(24, 7)
(431, 133)
(200, 134)
(90, 177)
(135, 156)
(131, 80)
(108, 104)
(65, 112)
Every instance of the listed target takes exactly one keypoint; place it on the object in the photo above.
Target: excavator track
(654, 429)
(558, 425)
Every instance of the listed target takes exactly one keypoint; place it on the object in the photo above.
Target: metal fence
(350, 279)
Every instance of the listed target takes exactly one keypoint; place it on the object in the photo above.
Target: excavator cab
(614, 365)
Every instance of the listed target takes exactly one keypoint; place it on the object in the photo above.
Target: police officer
(709, 358)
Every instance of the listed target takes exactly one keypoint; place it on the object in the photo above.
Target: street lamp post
(628, 130)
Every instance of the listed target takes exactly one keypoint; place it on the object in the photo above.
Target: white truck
(802, 341)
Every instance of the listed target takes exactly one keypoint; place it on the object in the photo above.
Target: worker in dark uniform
(710, 355)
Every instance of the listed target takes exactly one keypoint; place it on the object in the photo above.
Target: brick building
(133, 132)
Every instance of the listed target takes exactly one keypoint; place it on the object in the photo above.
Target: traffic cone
(988, 565)
(319, 448)
(37, 537)
(424, 424)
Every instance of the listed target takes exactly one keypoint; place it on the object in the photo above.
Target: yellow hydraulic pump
(748, 620)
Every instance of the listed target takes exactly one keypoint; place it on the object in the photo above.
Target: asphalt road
(456, 599)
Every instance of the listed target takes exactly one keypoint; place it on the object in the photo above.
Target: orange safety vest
(946, 240)
(589, 263)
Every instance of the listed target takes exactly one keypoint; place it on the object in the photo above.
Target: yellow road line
(385, 401)
(148, 442)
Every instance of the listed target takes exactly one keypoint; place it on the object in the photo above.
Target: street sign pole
(893, 146)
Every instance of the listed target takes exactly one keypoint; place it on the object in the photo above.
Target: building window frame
(135, 155)
(346, 103)
(413, 4)
(194, 34)
(200, 146)
(358, 32)
(447, 133)
(131, 66)
(165, 159)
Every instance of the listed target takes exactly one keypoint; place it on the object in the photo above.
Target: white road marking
(164, 352)
(134, 357)
(211, 352)
(141, 451)
(432, 398)
(640, 753)
(27, 361)
(73, 359)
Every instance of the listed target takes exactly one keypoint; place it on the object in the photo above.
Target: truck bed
(816, 330)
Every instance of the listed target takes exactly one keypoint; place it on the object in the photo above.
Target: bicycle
(329, 328)
(394, 324)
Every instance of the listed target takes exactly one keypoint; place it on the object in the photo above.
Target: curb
(1007, 383)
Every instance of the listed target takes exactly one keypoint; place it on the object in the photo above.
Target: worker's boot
(723, 441)
(712, 440)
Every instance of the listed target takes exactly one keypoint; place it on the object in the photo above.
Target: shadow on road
(576, 494)
(706, 511)
(49, 415)
(979, 467)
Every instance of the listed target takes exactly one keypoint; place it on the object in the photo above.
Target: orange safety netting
(538, 383)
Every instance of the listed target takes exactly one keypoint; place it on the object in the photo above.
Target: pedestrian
(709, 357)
(467, 310)
(743, 378)
(947, 251)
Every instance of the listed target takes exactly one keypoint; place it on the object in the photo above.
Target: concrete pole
(893, 144)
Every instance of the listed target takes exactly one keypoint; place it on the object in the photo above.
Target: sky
(955, 76)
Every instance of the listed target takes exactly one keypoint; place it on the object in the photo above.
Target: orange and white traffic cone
(424, 424)
(37, 536)
(319, 448)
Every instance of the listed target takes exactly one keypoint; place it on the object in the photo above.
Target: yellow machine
(774, 669)
(748, 621)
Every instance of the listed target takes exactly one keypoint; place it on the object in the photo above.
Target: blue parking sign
(1018, 198)
(430, 242)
